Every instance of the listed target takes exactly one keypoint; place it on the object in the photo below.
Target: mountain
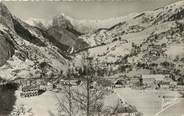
(64, 32)
(89, 26)
(32, 51)
(6, 46)
(150, 42)
(37, 21)
(81, 26)
(147, 42)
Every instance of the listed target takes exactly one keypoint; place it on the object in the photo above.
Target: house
(155, 77)
(119, 83)
(164, 85)
(163, 81)
(72, 82)
(23, 82)
(134, 81)
(148, 81)
(180, 81)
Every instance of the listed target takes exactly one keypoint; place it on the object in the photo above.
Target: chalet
(63, 82)
(180, 81)
(148, 81)
(72, 82)
(119, 83)
(164, 85)
(134, 81)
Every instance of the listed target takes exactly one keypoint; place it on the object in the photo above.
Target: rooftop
(158, 77)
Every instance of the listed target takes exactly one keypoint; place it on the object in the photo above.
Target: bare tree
(90, 94)
(86, 98)
(66, 103)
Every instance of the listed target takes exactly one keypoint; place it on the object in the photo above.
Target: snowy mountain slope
(5, 17)
(6, 23)
(81, 26)
(151, 41)
(6, 48)
(89, 26)
(24, 48)
(147, 41)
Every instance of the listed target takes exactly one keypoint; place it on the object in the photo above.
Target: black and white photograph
(92, 58)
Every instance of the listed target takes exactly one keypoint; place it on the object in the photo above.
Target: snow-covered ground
(47, 103)
(150, 102)
(42, 105)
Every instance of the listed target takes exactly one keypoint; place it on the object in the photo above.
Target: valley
(124, 66)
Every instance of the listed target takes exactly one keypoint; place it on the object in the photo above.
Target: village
(150, 81)
(119, 85)
(36, 86)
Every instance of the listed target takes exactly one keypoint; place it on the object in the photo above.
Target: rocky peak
(61, 21)
(4, 10)
(5, 16)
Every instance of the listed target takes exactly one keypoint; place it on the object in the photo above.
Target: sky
(82, 10)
